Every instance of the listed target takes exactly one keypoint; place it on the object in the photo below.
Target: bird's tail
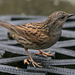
(5, 24)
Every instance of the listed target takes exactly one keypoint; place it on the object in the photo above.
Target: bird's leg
(44, 53)
(31, 60)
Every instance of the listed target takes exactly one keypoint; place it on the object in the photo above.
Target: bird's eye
(62, 17)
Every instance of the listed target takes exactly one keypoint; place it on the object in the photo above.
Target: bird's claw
(45, 54)
(34, 63)
(26, 61)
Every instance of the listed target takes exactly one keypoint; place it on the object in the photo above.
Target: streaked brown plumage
(39, 35)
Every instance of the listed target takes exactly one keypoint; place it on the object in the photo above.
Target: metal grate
(12, 54)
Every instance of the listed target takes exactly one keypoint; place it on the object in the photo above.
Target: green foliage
(34, 7)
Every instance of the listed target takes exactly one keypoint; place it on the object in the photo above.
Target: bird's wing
(28, 32)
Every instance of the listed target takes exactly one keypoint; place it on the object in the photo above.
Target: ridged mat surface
(12, 54)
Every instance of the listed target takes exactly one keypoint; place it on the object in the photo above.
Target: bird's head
(58, 18)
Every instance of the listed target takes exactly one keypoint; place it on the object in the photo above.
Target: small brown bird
(39, 35)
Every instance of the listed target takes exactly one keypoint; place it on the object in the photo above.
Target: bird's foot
(33, 63)
(45, 54)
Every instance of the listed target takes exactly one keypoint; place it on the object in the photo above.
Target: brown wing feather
(31, 33)
(26, 32)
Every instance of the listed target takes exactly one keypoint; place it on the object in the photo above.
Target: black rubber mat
(12, 54)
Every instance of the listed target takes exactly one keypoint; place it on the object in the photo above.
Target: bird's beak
(69, 15)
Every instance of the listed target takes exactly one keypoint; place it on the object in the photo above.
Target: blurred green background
(35, 7)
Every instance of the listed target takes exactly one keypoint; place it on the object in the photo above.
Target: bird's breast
(51, 40)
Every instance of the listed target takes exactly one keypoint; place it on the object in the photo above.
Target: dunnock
(39, 35)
